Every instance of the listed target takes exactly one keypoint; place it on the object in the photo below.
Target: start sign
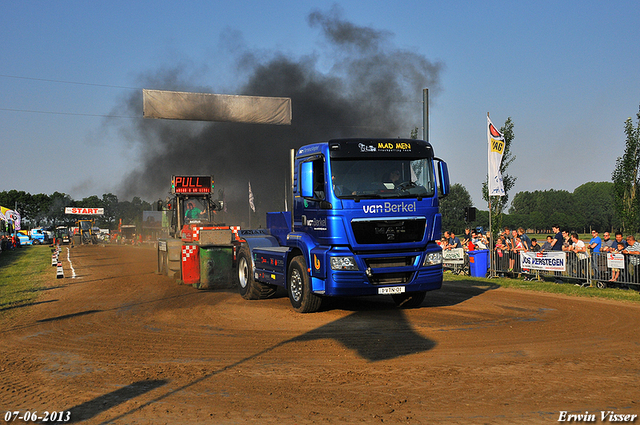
(84, 211)
(191, 184)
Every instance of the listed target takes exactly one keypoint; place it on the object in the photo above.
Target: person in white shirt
(580, 249)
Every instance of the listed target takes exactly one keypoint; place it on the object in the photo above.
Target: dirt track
(120, 344)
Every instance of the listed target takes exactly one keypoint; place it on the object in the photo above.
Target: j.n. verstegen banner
(496, 150)
(551, 261)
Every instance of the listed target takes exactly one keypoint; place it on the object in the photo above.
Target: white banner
(84, 211)
(216, 107)
(615, 261)
(496, 150)
(453, 256)
(551, 260)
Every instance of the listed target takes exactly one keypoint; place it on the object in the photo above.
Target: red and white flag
(496, 150)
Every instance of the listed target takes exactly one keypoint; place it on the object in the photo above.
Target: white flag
(253, 207)
(496, 149)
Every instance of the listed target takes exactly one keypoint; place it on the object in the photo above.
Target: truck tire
(299, 288)
(409, 299)
(248, 287)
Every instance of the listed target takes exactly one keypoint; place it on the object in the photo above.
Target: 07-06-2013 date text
(29, 416)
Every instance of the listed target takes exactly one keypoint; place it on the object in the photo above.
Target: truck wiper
(357, 198)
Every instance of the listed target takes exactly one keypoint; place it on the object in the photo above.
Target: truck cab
(365, 222)
(38, 236)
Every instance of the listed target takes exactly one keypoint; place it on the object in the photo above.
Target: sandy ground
(120, 344)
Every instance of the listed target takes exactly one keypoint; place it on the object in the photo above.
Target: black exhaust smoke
(371, 90)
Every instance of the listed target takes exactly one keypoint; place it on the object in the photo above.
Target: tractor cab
(191, 204)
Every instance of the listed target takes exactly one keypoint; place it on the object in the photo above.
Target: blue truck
(365, 220)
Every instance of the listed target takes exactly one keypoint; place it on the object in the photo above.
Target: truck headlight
(343, 263)
(433, 259)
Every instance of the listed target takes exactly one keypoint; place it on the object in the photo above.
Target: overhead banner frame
(173, 105)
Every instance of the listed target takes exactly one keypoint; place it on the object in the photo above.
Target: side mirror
(443, 178)
(216, 205)
(306, 179)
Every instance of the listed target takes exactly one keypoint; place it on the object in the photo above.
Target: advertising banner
(453, 256)
(84, 211)
(496, 150)
(12, 216)
(615, 261)
(152, 219)
(555, 261)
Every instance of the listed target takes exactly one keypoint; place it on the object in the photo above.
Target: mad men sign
(84, 211)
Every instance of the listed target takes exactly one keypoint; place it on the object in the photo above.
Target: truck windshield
(379, 178)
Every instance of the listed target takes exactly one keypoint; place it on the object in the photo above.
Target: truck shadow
(451, 293)
(373, 335)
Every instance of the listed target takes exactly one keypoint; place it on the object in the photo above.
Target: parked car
(24, 239)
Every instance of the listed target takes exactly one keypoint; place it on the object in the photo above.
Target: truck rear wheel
(248, 287)
(409, 299)
(302, 298)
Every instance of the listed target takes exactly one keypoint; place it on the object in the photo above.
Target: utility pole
(425, 115)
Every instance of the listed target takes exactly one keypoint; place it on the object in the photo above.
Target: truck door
(313, 187)
(314, 211)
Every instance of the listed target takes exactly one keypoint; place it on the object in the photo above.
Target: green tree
(595, 202)
(58, 202)
(131, 211)
(499, 203)
(110, 205)
(625, 178)
(452, 208)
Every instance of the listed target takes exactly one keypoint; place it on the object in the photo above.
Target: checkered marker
(188, 251)
(54, 259)
(60, 272)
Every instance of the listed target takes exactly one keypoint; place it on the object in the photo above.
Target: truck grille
(391, 278)
(388, 231)
(379, 263)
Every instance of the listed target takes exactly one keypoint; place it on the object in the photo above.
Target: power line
(69, 82)
(32, 111)
(66, 113)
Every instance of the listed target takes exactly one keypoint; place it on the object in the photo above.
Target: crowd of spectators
(510, 242)
(471, 240)
(8, 242)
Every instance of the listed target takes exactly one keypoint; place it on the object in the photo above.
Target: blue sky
(566, 72)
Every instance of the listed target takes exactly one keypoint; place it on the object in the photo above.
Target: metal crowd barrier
(456, 261)
(591, 269)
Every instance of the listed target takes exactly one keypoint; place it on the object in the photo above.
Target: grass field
(549, 286)
(23, 273)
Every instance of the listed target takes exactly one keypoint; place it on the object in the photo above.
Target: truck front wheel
(248, 287)
(302, 298)
(409, 299)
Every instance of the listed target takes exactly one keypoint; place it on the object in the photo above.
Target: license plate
(391, 290)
